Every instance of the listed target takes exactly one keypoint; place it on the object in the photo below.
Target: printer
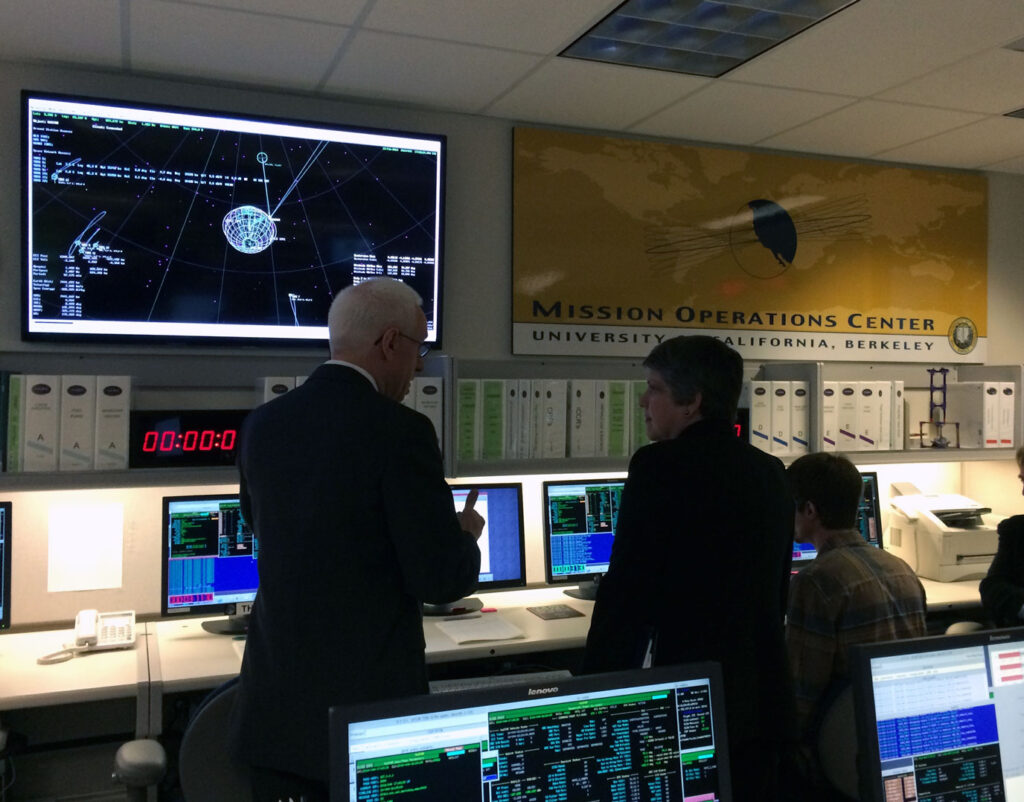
(944, 537)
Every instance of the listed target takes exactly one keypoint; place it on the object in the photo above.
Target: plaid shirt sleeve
(811, 643)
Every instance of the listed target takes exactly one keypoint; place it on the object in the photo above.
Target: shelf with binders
(531, 416)
(888, 413)
(229, 386)
(894, 398)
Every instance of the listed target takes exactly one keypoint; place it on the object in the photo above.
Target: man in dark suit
(701, 559)
(344, 486)
(1002, 590)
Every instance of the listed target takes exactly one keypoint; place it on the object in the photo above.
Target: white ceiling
(914, 81)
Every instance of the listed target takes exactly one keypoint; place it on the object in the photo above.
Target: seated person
(851, 593)
(1002, 591)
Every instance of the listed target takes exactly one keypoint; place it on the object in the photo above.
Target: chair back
(837, 745)
(207, 771)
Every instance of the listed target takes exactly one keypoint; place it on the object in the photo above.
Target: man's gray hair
(360, 313)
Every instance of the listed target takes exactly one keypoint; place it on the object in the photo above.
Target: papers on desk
(484, 628)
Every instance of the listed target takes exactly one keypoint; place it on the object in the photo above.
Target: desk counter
(186, 657)
(86, 677)
(511, 606)
(179, 655)
(952, 596)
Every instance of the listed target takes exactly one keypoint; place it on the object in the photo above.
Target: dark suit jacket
(1002, 590)
(345, 490)
(701, 556)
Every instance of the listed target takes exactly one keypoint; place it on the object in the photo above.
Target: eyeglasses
(422, 348)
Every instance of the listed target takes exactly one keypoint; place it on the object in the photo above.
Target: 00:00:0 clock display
(191, 440)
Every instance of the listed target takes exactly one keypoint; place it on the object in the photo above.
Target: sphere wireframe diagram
(248, 229)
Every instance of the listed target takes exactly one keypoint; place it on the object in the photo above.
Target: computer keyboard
(550, 612)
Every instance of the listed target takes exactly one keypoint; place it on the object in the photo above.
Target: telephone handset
(95, 631)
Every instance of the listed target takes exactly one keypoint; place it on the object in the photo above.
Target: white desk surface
(179, 655)
(88, 676)
(951, 595)
(187, 657)
(540, 634)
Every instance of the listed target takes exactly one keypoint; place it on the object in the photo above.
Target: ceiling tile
(44, 30)
(531, 26)
(230, 45)
(877, 44)
(867, 127)
(425, 72)
(1015, 165)
(989, 82)
(739, 113)
(939, 63)
(339, 12)
(602, 95)
(988, 142)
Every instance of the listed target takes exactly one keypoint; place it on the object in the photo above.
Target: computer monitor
(209, 561)
(644, 734)
(869, 521)
(869, 513)
(156, 224)
(5, 565)
(941, 718)
(579, 525)
(502, 543)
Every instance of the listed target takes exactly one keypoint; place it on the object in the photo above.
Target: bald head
(362, 312)
(379, 326)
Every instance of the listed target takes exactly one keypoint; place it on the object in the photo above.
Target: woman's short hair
(700, 364)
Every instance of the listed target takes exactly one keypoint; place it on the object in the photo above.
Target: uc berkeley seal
(963, 335)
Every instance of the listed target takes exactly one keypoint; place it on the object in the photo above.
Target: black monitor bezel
(877, 505)
(567, 579)
(170, 341)
(6, 567)
(341, 715)
(193, 611)
(503, 584)
(868, 757)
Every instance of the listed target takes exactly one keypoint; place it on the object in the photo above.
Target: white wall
(477, 308)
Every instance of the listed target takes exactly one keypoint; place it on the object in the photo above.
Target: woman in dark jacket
(1002, 591)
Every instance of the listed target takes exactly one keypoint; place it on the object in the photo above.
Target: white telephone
(95, 631)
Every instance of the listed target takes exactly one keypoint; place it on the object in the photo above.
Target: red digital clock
(187, 438)
(169, 441)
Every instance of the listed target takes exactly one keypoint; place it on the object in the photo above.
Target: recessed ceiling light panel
(697, 37)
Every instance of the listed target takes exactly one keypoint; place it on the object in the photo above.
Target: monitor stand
(587, 589)
(468, 605)
(232, 625)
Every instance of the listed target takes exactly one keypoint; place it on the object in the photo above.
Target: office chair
(206, 769)
(139, 765)
(837, 745)
(963, 627)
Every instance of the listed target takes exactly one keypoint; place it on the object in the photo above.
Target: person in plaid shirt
(851, 593)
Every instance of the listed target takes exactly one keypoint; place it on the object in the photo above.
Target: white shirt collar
(356, 368)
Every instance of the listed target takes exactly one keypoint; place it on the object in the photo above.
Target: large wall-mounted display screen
(149, 222)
